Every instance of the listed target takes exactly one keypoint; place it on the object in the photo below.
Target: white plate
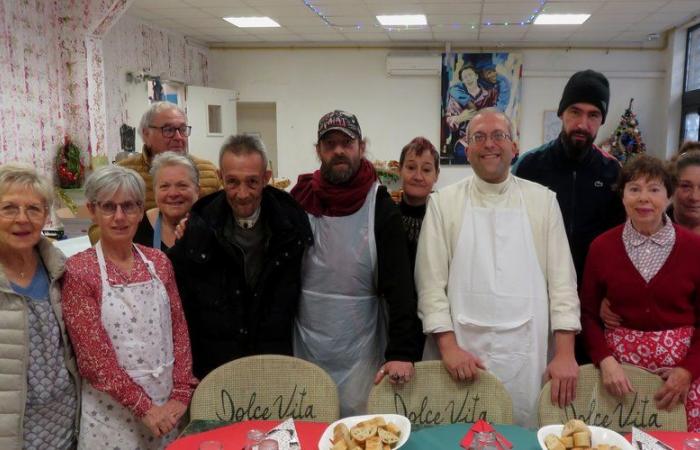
(599, 435)
(400, 421)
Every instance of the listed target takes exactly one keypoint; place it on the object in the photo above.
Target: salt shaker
(253, 439)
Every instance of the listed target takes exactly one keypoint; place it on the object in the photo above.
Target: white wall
(306, 83)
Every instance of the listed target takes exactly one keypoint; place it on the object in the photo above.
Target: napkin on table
(480, 427)
(286, 435)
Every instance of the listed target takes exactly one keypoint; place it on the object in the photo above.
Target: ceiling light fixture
(252, 22)
(561, 19)
(406, 19)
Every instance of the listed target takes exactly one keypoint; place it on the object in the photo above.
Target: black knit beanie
(586, 86)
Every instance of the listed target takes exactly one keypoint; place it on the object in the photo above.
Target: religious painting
(471, 82)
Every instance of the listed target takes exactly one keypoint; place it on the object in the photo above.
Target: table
(443, 437)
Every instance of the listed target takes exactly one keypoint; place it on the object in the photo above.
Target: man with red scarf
(357, 311)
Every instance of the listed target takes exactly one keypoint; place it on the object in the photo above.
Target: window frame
(690, 99)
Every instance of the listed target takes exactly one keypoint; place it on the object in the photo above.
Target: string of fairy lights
(327, 19)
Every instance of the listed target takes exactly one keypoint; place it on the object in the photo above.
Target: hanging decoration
(69, 166)
(626, 140)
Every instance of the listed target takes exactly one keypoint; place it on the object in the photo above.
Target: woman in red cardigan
(649, 269)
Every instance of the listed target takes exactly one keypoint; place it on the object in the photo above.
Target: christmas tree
(626, 140)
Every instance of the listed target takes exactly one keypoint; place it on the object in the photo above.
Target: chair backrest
(596, 406)
(432, 397)
(266, 387)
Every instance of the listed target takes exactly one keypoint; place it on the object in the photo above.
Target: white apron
(137, 320)
(498, 299)
(339, 324)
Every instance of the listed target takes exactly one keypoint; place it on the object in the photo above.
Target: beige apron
(136, 317)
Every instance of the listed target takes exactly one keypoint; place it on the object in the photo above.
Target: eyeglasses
(496, 136)
(10, 211)
(169, 131)
(110, 208)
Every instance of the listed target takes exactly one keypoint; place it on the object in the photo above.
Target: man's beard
(577, 147)
(335, 175)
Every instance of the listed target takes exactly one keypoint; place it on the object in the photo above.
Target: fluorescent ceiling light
(252, 22)
(561, 19)
(410, 19)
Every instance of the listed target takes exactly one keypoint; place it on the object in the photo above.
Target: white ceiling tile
(231, 11)
(162, 4)
(688, 6)
(230, 30)
(176, 13)
(343, 10)
(205, 22)
(675, 18)
(324, 29)
(256, 3)
(572, 8)
(282, 38)
(593, 36)
(504, 32)
(452, 8)
(502, 18)
(211, 3)
(284, 11)
(617, 19)
(311, 21)
(622, 7)
(349, 21)
(523, 8)
(440, 19)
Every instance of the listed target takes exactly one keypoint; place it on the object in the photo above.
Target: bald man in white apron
(495, 277)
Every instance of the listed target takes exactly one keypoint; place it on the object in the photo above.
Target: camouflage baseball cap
(341, 121)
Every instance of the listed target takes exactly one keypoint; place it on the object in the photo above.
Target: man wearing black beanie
(581, 174)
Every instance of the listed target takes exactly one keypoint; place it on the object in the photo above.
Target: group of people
(198, 265)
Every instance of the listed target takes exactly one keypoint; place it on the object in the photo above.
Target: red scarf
(321, 198)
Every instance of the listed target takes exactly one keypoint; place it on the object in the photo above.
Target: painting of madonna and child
(471, 82)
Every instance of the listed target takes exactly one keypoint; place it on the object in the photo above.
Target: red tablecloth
(673, 439)
(233, 436)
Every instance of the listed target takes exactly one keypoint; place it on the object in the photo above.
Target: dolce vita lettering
(635, 414)
(464, 410)
(290, 406)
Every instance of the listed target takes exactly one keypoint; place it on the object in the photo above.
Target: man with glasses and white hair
(164, 128)
(494, 275)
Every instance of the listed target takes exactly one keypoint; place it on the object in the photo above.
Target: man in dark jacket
(581, 174)
(238, 265)
(356, 272)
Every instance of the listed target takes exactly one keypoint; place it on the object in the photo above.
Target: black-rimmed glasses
(169, 132)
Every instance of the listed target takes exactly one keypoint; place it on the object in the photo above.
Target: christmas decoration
(69, 166)
(626, 140)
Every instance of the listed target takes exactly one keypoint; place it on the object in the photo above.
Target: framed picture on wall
(471, 82)
(551, 126)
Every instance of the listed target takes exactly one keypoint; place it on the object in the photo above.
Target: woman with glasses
(176, 188)
(124, 317)
(38, 375)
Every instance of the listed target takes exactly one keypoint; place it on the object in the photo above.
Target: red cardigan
(670, 300)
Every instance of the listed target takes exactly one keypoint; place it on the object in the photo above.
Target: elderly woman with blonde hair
(176, 188)
(123, 313)
(38, 375)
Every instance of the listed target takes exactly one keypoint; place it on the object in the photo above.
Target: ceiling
(613, 23)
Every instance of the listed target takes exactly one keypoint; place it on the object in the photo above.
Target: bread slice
(582, 439)
(568, 441)
(387, 437)
(393, 428)
(552, 442)
(574, 426)
(361, 434)
(340, 445)
(373, 443)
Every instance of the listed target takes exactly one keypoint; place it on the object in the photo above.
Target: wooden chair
(432, 397)
(595, 406)
(266, 387)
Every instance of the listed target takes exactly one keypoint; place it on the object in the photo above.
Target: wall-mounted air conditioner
(415, 64)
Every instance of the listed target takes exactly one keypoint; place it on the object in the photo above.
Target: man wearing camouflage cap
(359, 257)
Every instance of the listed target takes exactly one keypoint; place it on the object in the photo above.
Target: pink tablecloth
(233, 436)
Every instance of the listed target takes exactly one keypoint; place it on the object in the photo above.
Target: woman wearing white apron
(127, 326)
(496, 292)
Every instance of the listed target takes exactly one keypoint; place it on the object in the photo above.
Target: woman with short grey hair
(176, 188)
(38, 374)
(123, 313)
